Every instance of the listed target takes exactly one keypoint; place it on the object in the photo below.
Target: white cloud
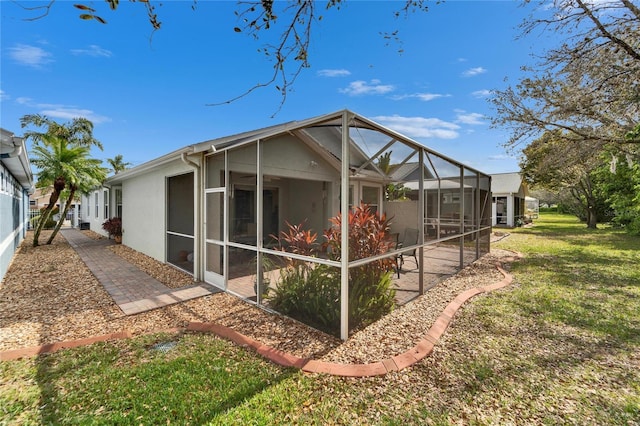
(93, 50)
(499, 157)
(4, 96)
(422, 96)
(31, 56)
(65, 112)
(363, 88)
(334, 73)
(71, 113)
(469, 118)
(481, 93)
(420, 127)
(474, 71)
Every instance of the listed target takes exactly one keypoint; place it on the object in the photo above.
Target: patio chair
(410, 239)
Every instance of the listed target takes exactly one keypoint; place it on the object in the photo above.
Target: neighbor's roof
(507, 183)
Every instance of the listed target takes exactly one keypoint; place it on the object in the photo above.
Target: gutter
(20, 153)
(198, 214)
(17, 150)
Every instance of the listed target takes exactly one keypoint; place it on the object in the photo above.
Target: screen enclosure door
(180, 221)
(215, 219)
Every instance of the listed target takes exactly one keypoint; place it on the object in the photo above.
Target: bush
(310, 292)
(633, 227)
(113, 226)
(50, 223)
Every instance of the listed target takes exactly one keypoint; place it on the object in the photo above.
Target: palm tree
(57, 161)
(62, 155)
(84, 175)
(78, 132)
(118, 164)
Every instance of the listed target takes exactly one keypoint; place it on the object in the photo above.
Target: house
(213, 208)
(509, 192)
(16, 182)
(39, 199)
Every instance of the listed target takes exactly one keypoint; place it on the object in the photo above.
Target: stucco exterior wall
(402, 214)
(95, 217)
(144, 209)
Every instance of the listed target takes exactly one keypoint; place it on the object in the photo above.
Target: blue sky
(149, 97)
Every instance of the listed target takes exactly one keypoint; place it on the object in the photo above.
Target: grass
(559, 346)
(196, 378)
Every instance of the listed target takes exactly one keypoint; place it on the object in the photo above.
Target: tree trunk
(43, 219)
(63, 215)
(592, 217)
(58, 186)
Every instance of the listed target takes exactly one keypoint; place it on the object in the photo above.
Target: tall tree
(78, 131)
(59, 153)
(118, 164)
(587, 86)
(57, 161)
(551, 162)
(83, 174)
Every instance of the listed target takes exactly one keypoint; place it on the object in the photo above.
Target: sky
(149, 94)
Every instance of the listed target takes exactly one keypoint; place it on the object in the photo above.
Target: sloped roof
(321, 131)
(507, 183)
(13, 154)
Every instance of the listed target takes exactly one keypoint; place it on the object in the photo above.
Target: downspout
(197, 231)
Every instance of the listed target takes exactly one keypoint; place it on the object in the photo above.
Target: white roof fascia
(14, 154)
(145, 167)
(265, 133)
(240, 139)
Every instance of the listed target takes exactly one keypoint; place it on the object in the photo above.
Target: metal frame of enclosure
(256, 183)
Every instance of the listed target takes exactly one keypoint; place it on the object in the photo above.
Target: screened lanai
(273, 229)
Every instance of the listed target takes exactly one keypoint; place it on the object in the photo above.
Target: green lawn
(559, 346)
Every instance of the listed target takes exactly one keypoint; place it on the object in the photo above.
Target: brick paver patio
(131, 288)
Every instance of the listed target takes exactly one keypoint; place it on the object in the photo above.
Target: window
(118, 202)
(106, 204)
(97, 207)
(371, 197)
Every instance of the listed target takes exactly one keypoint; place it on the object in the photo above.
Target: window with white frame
(97, 206)
(106, 203)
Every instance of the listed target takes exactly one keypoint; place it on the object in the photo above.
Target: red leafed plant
(297, 240)
(368, 235)
(310, 291)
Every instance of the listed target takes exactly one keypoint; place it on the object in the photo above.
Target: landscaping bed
(49, 295)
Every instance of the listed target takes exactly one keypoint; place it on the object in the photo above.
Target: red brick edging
(396, 363)
(53, 347)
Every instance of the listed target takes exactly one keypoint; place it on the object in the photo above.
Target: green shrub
(310, 292)
(50, 223)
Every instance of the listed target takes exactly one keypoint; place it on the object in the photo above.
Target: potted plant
(113, 227)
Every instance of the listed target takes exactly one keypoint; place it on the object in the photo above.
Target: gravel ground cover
(49, 295)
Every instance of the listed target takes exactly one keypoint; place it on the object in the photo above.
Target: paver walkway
(131, 288)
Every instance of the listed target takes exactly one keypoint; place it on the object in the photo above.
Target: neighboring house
(39, 199)
(98, 206)
(16, 182)
(509, 192)
(212, 208)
